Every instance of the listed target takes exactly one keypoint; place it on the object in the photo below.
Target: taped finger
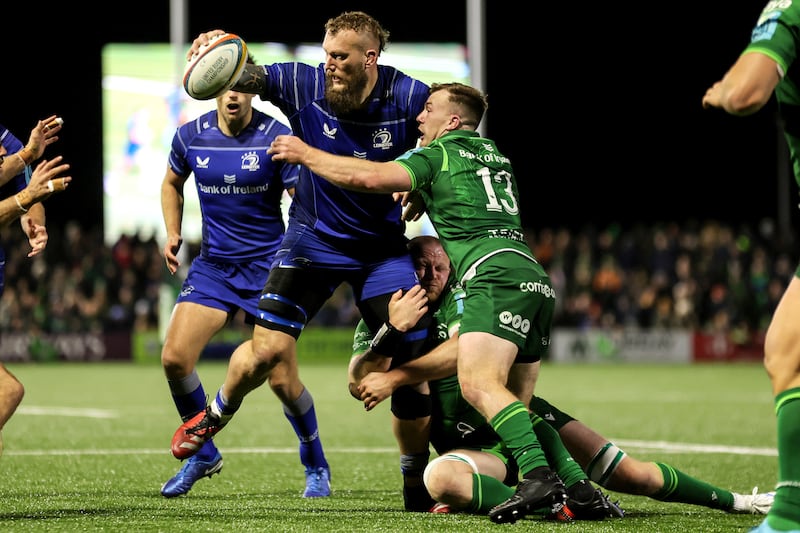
(57, 184)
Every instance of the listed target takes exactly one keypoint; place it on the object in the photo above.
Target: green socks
(682, 488)
(785, 512)
(513, 425)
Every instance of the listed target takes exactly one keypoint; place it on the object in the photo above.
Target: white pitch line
(670, 447)
(165, 451)
(685, 447)
(67, 411)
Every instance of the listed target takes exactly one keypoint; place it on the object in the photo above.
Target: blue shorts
(371, 269)
(225, 286)
(307, 269)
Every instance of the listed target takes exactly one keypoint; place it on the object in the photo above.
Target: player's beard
(346, 98)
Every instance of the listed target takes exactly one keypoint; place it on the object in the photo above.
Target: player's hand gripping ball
(216, 67)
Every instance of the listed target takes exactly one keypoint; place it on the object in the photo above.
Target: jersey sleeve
(422, 165)
(452, 308)
(180, 145)
(361, 338)
(774, 34)
(292, 86)
(20, 181)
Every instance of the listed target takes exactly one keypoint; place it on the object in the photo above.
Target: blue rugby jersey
(18, 182)
(11, 187)
(238, 184)
(381, 132)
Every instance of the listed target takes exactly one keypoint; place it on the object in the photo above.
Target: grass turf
(88, 450)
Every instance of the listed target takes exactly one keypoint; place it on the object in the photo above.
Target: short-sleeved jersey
(239, 186)
(777, 35)
(383, 130)
(471, 198)
(12, 186)
(12, 146)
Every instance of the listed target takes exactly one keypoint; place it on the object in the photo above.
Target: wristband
(21, 156)
(23, 199)
(387, 340)
(19, 204)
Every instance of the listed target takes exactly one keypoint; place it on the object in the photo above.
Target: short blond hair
(359, 22)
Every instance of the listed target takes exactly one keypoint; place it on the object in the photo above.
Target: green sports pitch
(88, 450)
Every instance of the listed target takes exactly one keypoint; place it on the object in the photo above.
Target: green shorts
(511, 297)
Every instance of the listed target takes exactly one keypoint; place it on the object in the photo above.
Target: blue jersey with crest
(381, 131)
(239, 186)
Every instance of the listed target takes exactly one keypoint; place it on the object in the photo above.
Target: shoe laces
(206, 424)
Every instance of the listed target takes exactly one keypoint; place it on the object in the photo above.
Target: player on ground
(459, 476)
(457, 429)
(240, 191)
(349, 105)
(769, 64)
(470, 194)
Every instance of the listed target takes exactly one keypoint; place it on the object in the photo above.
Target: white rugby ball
(216, 67)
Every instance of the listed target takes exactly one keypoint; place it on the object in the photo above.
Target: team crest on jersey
(328, 131)
(202, 163)
(382, 139)
(250, 161)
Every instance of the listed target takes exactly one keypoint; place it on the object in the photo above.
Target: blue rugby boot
(192, 471)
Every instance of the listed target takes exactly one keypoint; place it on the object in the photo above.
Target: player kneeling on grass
(468, 478)
(458, 431)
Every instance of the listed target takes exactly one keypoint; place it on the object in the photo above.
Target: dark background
(599, 110)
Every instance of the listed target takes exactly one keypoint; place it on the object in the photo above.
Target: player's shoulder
(295, 74)
(198, 125)
(268, 125)
(8, 139)
(398, 82)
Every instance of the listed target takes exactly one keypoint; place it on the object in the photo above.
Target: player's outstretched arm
(43, 134)
(45, 181)
(346, 172)
(746, 87)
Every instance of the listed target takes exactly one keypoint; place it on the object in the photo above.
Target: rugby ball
(216, 67)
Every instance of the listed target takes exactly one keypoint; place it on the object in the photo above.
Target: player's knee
(470, 391)
(410, 404)
(636, 477)
(16, 392)
(444, 476)
(281, 314)
(174, 362)
(603, 465)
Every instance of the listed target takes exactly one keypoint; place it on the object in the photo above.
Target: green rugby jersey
(777, 35)
(471, 197)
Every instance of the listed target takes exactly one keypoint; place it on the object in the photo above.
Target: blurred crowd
(706, 276)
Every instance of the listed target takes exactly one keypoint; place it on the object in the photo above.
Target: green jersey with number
(777, 35)
(470, 195)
